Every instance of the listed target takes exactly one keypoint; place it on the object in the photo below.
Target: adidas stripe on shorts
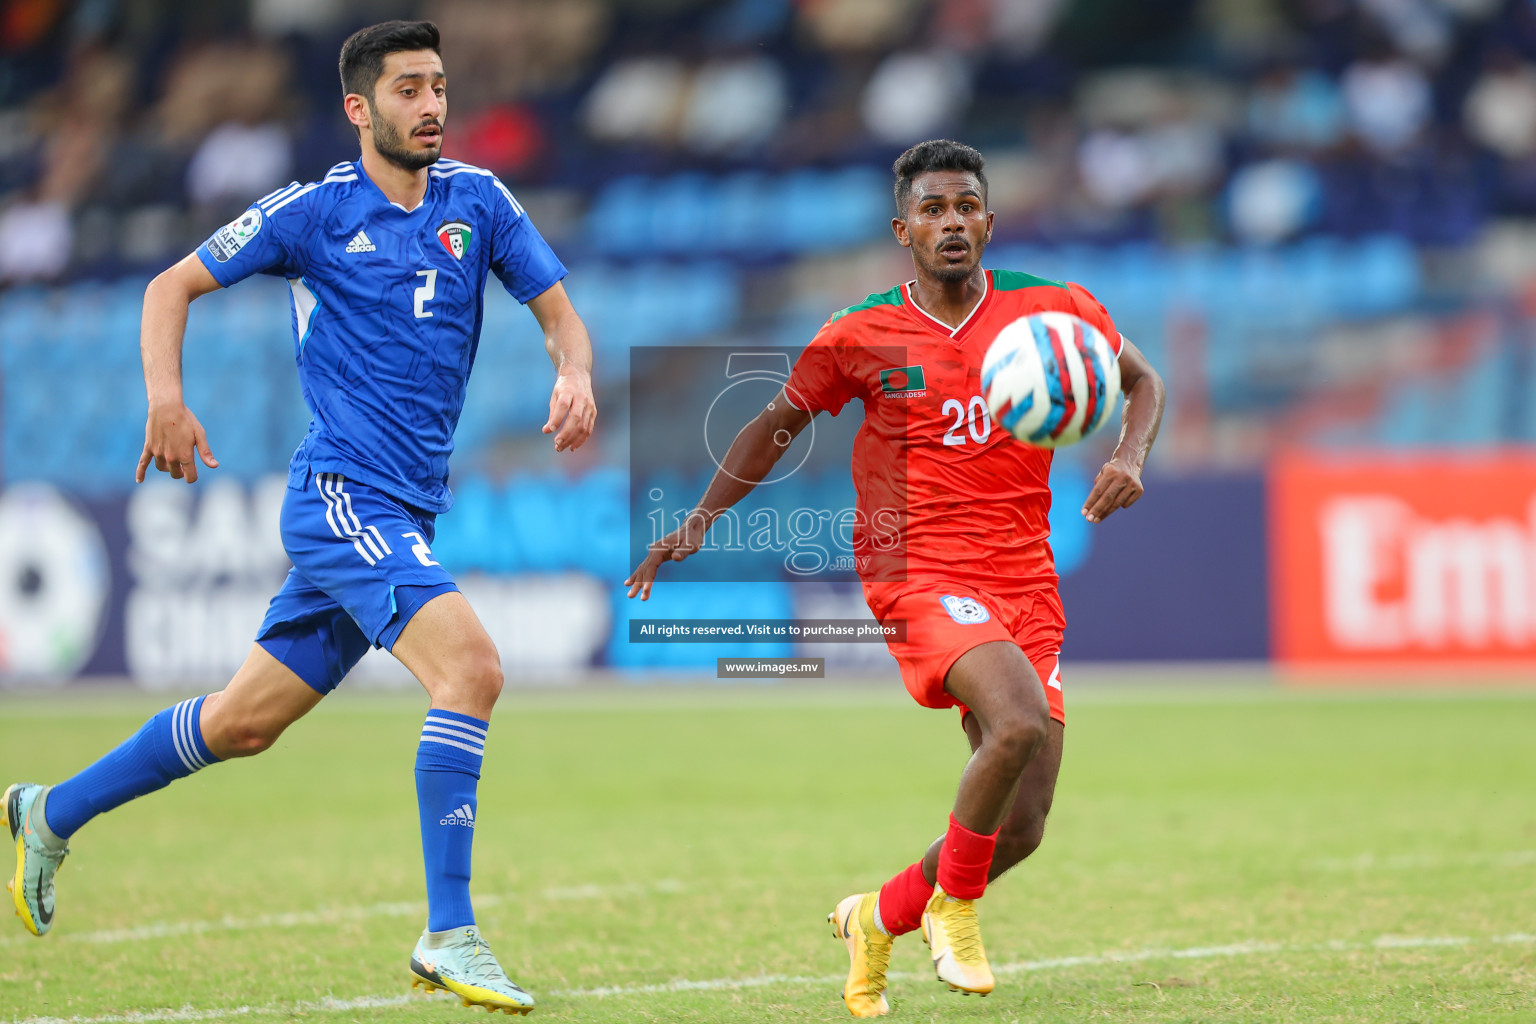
(362, 566)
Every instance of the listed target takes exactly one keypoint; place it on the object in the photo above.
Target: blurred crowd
(131, 128)
(1318, 216)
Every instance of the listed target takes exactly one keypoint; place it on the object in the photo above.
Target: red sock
(964, 860)
(902, 900)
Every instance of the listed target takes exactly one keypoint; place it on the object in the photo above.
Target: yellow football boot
(954, 941)
(869, 954)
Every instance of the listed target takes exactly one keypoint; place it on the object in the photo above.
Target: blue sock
(168, 747)
(447, 770)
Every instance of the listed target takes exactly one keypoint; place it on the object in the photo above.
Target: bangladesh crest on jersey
(902, 379)
(454, 234)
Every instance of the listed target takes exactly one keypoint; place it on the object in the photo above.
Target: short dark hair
(362, 55)
(934, 155)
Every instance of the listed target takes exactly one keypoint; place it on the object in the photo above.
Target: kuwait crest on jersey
(454, 234)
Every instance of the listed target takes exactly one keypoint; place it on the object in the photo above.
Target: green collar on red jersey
(1013, 280)
(890, 298)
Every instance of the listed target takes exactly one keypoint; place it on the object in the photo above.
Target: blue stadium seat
(750, 215)
(743, 213)
(1135, 281)
(619, 221)
(1386, 276)
(1476, 402)
(681, 208)
(1469, 408)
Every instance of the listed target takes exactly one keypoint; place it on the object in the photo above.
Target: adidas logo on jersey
(464, 816)
(361, 243)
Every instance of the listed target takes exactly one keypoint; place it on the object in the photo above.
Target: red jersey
(942, 490)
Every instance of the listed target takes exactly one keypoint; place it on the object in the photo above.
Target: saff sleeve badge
(232, 237)
(454, 234)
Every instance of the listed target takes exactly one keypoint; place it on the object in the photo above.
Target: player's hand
(572, 410)
(174, 441)
(674, 547)
(1118, 486)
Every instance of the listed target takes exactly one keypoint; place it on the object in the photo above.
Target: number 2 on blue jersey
(425, 292)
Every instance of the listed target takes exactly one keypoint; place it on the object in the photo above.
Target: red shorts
(945, 619)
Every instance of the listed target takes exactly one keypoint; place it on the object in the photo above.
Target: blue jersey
(387, 306)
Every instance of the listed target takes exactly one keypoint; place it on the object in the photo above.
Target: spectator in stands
(734, 105)
(35, 240)
(915, 94)
(1500, 111)
(778, 84)
(1388, 101)
(236, 96)
(638, 100)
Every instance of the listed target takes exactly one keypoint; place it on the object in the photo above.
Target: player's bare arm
(752, 455)
(172, 433)
(572, 409)
(1118, 484)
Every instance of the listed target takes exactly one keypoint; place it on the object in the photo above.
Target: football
(1050, 379)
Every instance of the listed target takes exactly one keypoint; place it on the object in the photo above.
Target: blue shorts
(362, 566)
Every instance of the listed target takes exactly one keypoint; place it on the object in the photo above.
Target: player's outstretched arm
(171, 433)
(757, 448)
(1119, 483)
(572, 409)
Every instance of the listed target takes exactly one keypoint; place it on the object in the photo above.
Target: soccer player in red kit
(972, 576)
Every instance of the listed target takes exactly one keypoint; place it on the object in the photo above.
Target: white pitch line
(1422, 861)
(338, 915)
(1385, 942)
(1140, 955)
(684, 985)
(667, 887)
(1051, 964)
(290, 919)
(188, 1014)
(1410, 942)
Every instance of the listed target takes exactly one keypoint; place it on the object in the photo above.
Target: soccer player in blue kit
(386, 258)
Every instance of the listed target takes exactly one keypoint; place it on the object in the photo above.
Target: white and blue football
(1050, 379)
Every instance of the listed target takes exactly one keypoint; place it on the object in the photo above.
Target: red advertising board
(1391, 559)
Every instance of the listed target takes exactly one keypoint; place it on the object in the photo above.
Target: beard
(950, 273)
(946, 272)
(391, 144)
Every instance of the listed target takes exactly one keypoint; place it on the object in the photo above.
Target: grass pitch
(663, 855)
